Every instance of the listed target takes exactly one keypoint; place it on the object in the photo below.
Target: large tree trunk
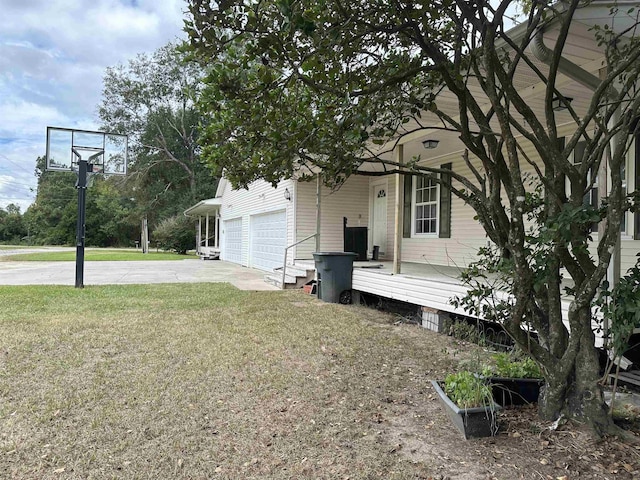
(573, 389)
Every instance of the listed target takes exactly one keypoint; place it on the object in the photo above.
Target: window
(427, 206)
(591, 197)
(425, 201)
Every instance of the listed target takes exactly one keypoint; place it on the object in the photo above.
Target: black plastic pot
(515, 391)
(472, 422)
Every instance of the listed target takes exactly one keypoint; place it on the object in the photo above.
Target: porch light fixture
(560, 103)
(287, 194)
(430, 143)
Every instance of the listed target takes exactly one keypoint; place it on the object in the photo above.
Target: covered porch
(208, 227)
(425, 285)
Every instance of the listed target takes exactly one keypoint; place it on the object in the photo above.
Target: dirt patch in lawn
(198, 382)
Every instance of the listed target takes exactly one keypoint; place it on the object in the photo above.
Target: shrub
(176, 234)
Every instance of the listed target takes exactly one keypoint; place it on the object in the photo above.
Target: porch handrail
(286, 251)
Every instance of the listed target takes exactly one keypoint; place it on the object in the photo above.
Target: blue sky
(53, 55)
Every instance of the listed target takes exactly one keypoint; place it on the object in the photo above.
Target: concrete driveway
(103, 273)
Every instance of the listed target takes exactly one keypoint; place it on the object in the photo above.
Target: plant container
(509, 391)
(474, 422)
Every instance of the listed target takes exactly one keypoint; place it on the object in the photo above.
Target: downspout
(567, 67)
(587, 79)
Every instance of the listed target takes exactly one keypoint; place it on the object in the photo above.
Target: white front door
(268, 240)
(379, 216)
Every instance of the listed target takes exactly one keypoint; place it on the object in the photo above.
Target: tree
(151, 99)
(52, 216)
(175, 234)
(51, 219)
(335, 85)
(12, 227)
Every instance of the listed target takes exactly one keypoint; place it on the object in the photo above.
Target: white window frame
(594, 233)
(415, 205)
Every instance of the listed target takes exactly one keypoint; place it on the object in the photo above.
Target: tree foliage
(176, 234)
(151, 99)
(336, 85)
(51, 219)
(12, 226)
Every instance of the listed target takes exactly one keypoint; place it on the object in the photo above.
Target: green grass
(96, 255)
(206, 381)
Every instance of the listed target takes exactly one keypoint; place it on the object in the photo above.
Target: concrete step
(296, 276)
(298, 271)
(276, 279)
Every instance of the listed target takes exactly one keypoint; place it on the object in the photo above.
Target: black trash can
(334, 270)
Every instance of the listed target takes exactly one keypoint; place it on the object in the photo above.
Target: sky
(53, 55)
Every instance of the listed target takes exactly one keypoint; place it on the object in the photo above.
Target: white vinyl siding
(260, 198)
(351, 200)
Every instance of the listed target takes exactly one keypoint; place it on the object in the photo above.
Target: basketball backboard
(108, 152)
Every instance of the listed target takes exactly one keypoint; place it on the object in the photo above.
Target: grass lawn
(96, 255)
(205, 381)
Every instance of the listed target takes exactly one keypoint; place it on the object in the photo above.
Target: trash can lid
(335, 254)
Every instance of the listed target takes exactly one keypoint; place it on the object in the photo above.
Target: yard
(207, 381)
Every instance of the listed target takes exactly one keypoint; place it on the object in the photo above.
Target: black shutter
(406, 209)
(445, 203)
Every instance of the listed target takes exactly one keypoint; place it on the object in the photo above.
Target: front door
(379, 216)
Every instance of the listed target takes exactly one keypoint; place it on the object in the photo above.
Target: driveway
(102, 273)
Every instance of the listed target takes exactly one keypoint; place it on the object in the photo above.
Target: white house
(253, 227)
(424, 234)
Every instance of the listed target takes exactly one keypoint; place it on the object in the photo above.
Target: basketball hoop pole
(83, 169)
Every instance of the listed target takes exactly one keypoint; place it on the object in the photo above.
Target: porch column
(206, 232)
(217, 230)
(604, 189)
(199, 234)
(397, 237)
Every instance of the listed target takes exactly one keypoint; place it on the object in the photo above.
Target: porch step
(296, 276)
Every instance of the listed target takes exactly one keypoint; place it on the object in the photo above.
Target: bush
(175, 234)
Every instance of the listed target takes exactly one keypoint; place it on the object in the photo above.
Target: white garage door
(233, 240)
(268, 240)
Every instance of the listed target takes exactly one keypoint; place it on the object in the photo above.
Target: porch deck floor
(419, 270)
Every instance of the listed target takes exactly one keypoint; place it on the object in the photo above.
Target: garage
(268, 234)
(233, 240)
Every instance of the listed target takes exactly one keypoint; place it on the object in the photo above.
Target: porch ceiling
(581, 48)
(205, 207)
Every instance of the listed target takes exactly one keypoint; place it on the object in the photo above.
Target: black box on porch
(355, 240)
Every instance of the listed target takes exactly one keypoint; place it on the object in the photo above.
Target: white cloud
(53, 55)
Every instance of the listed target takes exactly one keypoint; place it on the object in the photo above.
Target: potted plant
(468, 402)
(514, 380)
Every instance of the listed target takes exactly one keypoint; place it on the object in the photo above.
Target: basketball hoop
(87, 153)
(66, 147)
